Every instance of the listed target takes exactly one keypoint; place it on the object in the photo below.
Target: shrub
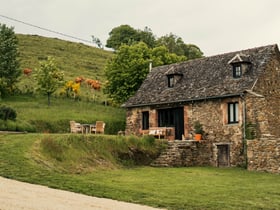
(7, 113)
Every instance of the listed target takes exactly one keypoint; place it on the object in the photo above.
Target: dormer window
(170, 81)
(240, 65)
(237, 72)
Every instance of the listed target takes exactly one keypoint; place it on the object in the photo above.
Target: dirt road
(15, 195)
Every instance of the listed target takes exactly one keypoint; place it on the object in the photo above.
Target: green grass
(75, 59)
(172, 188)
(34, 110)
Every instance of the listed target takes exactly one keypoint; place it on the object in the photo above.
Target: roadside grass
(171, 188)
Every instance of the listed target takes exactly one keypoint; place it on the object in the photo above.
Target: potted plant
(198, 130)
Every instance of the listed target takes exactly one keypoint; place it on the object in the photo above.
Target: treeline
(134, 50)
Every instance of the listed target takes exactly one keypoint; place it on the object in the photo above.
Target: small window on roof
(171, 80)
(237, 72)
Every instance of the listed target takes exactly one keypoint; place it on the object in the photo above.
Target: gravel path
(15, 195)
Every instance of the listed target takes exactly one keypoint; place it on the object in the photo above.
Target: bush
(7, 113)
(9, 125)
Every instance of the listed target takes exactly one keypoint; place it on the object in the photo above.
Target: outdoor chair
(99, 127)
(75, 127)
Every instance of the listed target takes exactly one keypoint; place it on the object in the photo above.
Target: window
(233, 112)
(170, 80)
(145, 120)
(237, 71)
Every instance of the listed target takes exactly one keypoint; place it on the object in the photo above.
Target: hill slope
(75, 59)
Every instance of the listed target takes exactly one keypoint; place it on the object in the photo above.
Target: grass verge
(172, 188)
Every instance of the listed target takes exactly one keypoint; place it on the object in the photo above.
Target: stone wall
(213, 115)
(268, 86)
(185, 153)
(264, 155)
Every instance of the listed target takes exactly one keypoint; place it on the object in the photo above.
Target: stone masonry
(264, 155)
(185, 153)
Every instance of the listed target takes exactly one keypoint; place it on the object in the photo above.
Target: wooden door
(223, 155)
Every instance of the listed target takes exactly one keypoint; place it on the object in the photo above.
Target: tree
(173, 43)
(176, 45)
(147, 37)
(192, 51)
(129, 67)
(9, 64)
(48, 77)
(125, 34)
(97, 41)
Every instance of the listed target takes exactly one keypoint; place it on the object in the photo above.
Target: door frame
(216, 153)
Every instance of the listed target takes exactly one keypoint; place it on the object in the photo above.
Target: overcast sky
(215, 26)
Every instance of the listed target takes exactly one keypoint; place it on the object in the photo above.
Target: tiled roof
(209, 77)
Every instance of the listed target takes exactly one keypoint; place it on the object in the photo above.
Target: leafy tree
(9, 64)
(147, 37)
(125, 34)
(48, 77)
(97, 41)
(173, 43)
(176, 45)
(192, 51)
(129, 67)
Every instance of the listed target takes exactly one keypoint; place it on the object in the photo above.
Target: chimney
(150, 65)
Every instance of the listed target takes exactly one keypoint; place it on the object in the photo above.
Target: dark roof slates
(202, 78)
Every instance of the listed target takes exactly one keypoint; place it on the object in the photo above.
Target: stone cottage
(235, 96)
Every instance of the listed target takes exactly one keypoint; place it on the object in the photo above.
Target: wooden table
(86, 128)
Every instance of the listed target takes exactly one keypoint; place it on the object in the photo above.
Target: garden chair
(99, 127)
(75, 127)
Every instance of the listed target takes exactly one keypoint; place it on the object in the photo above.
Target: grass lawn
(171, 188)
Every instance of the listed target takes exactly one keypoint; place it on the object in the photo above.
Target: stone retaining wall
(264, 155)
(185, 153)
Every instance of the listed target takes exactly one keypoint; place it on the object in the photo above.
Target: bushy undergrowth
(7, 113)
(21, 126)
(83, 153)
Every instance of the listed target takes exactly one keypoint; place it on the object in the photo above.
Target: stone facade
(185, 153)
(203, 93)
(264, 155)
(213, 115)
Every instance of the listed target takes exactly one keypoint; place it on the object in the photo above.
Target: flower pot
(197, 137)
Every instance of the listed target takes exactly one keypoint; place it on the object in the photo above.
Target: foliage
(129, 67)
(71, 89)
(125, 34)
(23, 158)
(7, 113)
(48, 77)
(198, 128)
(18, 125)
(9, 63)
(115, 151)
(176, 45)
(74, 59)
(250, 131)
(97, 41)
(33, 114)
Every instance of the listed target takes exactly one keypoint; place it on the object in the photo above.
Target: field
(34, 115)
(173, 188)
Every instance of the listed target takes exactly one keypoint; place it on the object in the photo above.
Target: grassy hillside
(75, 59)
(55, 119)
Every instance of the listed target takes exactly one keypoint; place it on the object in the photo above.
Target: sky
(215, 26)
